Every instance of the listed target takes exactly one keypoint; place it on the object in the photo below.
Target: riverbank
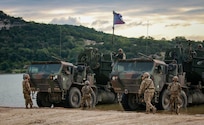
(67, 116)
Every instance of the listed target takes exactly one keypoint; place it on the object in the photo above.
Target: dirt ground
(67, 116)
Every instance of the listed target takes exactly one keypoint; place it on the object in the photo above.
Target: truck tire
(43, 99)
(165, 100)
(38, 100)
(74, 98)
(183, 99)
(93, 99)
(125, 102)
(129, 102)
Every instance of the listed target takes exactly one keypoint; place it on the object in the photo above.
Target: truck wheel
(129, 102)
(39, 99)
(183, 99)
(43, 100)
(74, 98)
(125, 102)
(93, 99)
(165, 100)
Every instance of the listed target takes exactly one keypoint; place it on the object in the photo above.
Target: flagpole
(113, 28)
(113, 34)
(147, 34)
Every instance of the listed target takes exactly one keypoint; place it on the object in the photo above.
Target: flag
(117, 19)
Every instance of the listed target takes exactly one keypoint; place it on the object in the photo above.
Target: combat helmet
(120, 50)
(26, 76)
(175, 78)
(200, 46)
(146, 75)
(87, 82)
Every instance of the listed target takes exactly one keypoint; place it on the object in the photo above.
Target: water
(11, 93)
(11, 96)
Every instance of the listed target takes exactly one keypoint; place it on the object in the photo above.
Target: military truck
(59, 83)
(126, 78)
(100, 65)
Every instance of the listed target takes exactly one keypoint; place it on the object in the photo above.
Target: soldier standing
(86, 95)
(27, 90)
(120, 54)
(147, 87)
(175, 91)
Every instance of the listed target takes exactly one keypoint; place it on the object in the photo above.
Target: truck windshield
(133, 66)
(44, 68)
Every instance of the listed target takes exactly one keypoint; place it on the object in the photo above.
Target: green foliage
(24, 42)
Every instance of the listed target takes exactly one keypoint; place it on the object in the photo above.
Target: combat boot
(177, 110)
(82, 107)
(154, 110)
(147, 111)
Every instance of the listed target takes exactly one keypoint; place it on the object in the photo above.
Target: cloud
(69, 20)
(97, 14)
(178, 25)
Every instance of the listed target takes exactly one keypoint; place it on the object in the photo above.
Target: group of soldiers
(147, 88)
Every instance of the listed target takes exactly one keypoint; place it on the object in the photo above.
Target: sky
(156, 18)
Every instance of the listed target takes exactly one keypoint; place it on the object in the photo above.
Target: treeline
(23, 42)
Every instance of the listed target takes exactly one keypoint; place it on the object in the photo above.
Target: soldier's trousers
(86, 99)
(175, 101)
(148, 98)
(28, 100)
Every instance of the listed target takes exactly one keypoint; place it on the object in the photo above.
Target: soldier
(200, 46)
(147, 87)
(175, 91)
(121, 54)
(27, 90)
(86, 94)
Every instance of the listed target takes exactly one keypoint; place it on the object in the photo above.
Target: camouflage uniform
(86, 95)
(27, 90)
(175, 91)
(121, 54)
(147, 87)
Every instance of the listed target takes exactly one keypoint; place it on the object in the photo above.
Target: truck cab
(126, 79)
(58, 82)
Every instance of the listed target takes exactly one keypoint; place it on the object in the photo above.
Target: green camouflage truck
(188, 65)
(59, 83)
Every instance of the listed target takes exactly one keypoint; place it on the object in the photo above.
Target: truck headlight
(114, 78)
(54, 77)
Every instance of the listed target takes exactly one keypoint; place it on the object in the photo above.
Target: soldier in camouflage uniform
(147, 87)
(27, 90)
(120, 54)
(175, 91)
(86, 95)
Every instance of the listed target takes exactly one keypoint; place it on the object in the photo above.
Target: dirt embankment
(65, 116)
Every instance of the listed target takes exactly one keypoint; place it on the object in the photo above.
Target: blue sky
(165, 18)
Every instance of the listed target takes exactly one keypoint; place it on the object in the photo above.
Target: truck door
(66, 77)
(159, 76)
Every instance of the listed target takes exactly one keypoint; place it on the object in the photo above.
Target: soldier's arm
(152, 84)
(91, 90)
(141, 88)
(180, 88)
(28, 86)
(169, 86)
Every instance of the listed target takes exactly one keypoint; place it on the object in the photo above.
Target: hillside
(22, 42)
